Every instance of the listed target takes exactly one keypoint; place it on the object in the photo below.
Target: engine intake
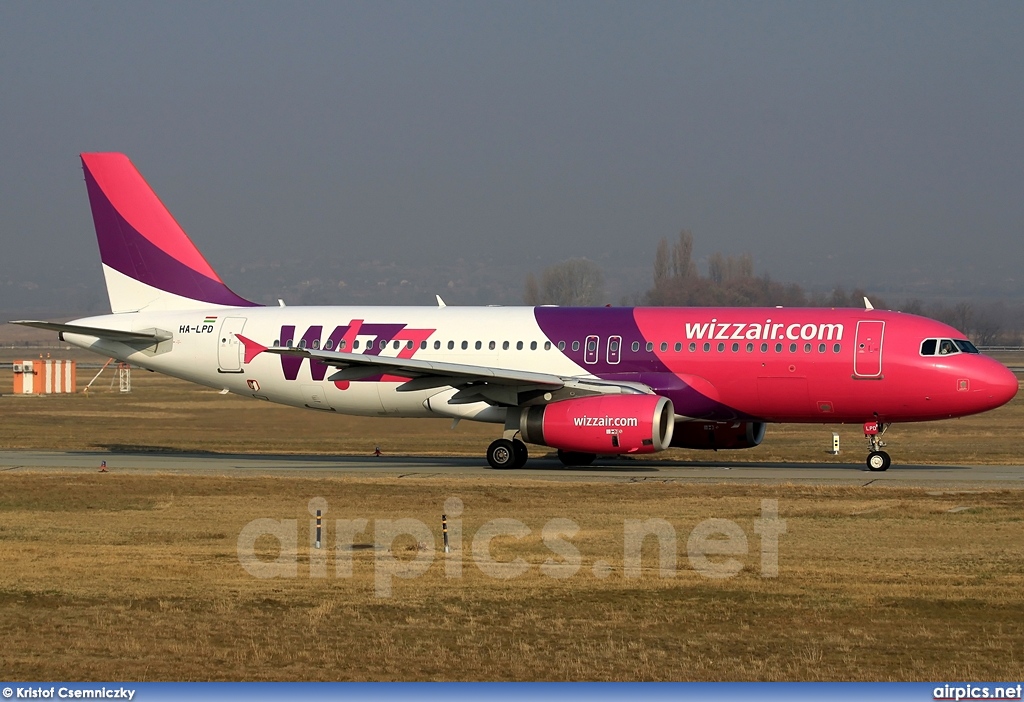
(604, 424)
(709, 435)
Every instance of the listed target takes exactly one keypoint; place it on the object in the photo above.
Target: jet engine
(603, 424)
(714, 436)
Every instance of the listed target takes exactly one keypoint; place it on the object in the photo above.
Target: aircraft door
(591, 351)
(230, 351)
(614, 349)
(867, 351)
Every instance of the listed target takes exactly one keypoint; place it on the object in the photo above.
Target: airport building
(44, 377)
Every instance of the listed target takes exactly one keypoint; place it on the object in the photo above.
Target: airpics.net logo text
(713, 547)
(766, 331)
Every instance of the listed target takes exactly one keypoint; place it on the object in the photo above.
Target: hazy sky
(862, 142)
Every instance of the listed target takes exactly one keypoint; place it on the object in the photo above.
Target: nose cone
(997, 384)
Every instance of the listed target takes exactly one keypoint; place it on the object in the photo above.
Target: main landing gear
(575, 459)
(878, 460)
(504, 454)
(507, 453)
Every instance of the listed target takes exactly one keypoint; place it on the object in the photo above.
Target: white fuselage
(204, 350)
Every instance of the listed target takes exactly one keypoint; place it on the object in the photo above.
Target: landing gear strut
(507, 453)
(878, 460)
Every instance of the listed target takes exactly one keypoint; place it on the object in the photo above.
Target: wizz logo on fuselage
(740, 331)
(375, 337)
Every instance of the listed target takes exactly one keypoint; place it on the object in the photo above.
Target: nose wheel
(878, 460)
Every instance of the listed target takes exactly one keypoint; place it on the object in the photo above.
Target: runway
(612, 470)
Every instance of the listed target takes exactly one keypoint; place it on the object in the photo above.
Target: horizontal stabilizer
(151, 336)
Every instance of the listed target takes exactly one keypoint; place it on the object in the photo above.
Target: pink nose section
(1001, 383)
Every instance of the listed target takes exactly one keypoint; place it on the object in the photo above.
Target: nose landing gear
(878, 460)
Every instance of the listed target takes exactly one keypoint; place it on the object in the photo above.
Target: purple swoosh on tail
(127, 251)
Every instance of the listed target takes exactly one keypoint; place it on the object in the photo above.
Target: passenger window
(575, 346)
(302, 343)
(591, 345)
(491, 346)
(707, 347)
(735, 347)
(329, 345)
(423, 344)
(533, 345)
(316, 343)
(750, 347)
(664, 346)
(504, 346)
(693, 347)
(342, 344)
(821, 348)
(397, 344)
(721, 347)
(465, 345)
(451, 345)
(764, 348)
(635, 346)
(478, 345)
(561, 346)
(355, 344)
(928, 347)
(807, 348)
(778, 348)
(277, 342)
(437, 345)
(383, 344)
(547, 345)
(519, 346)
(679, 347)
(650, 346)
(836, 348)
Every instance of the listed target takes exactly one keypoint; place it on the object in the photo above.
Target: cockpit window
(946, 347)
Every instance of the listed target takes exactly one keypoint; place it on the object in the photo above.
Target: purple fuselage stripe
(576, 323)
(125, 250)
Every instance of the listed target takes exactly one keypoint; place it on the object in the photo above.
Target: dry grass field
(136, 576)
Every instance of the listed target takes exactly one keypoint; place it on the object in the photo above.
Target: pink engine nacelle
(604, 424)
(714, 436)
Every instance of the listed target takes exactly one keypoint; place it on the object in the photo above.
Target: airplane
(588, 382)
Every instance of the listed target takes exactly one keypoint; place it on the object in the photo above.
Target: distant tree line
(578, 282)
(731, 282)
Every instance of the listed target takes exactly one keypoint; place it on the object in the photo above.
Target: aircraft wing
(498, 386)
(151, 336)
